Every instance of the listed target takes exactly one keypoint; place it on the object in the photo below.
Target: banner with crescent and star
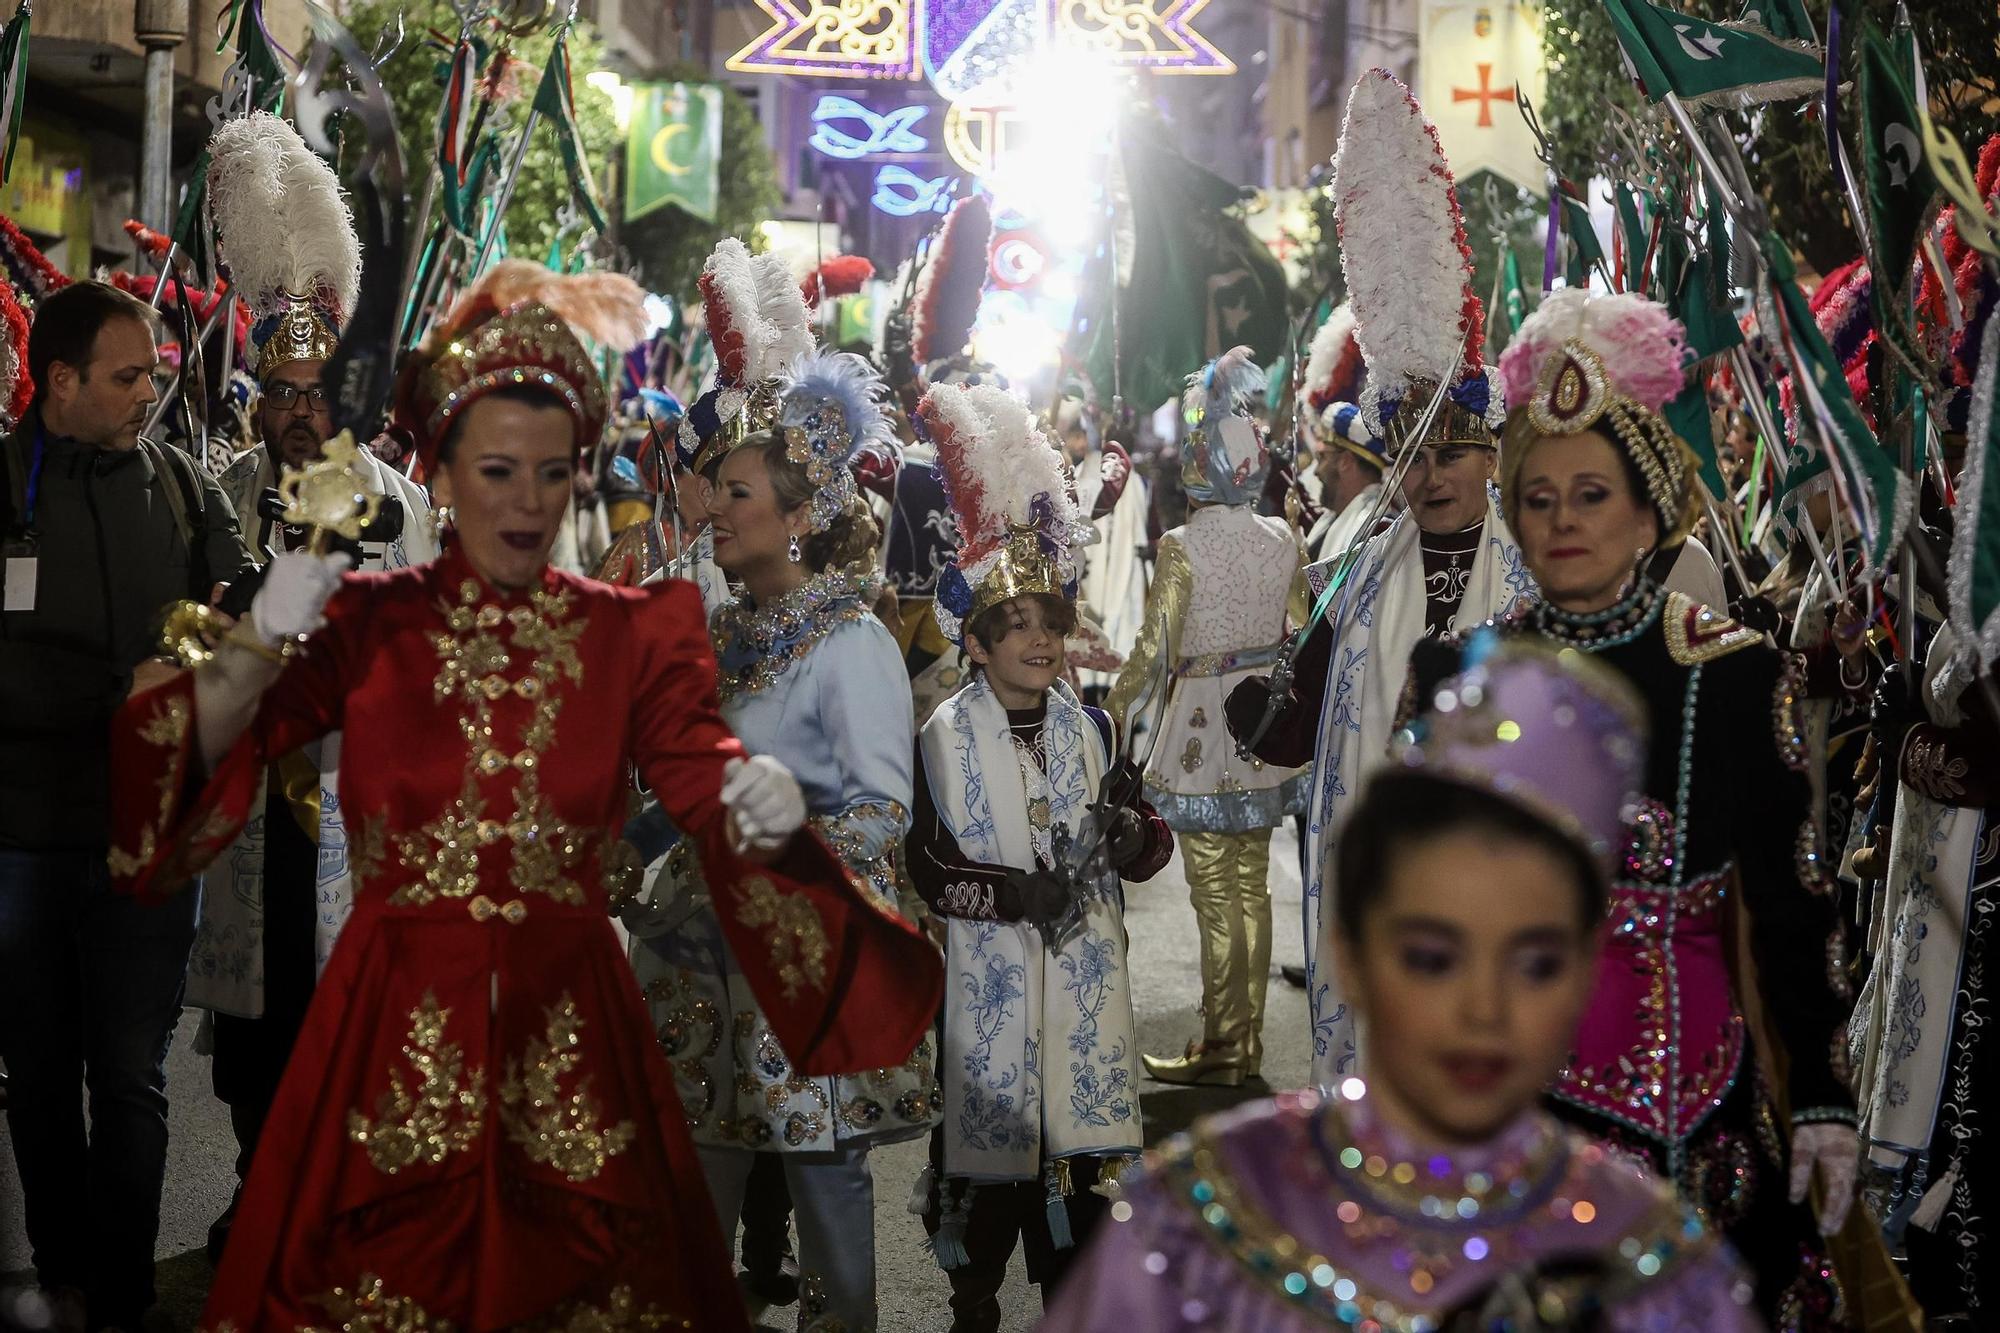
(1474, 56)
(674, 148)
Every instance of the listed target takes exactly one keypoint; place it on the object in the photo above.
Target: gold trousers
(1228, 878)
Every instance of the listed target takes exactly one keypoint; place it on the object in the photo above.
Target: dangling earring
(441, 522)
(792, 551)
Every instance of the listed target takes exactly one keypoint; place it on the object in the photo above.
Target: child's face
(1022, 652)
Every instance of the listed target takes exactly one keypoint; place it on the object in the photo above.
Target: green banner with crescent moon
(674, 148)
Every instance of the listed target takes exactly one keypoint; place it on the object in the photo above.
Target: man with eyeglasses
(277, 897)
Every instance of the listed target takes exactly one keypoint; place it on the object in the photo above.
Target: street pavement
(913, 1292)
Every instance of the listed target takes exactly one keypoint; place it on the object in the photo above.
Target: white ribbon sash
(1040, 1055)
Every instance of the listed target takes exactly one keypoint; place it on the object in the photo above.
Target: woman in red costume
(477, 1129)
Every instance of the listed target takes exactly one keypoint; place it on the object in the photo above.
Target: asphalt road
(1166, 991)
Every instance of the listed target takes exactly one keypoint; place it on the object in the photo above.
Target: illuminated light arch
(834, 39)
(894, 39)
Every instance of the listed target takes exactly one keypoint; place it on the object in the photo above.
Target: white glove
(1836, 1149)
(293, 598)
(765, 798)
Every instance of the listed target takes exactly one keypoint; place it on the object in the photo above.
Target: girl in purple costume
(1438, 1196)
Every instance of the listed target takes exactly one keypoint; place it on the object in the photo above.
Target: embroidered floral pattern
(443, 1115)
(544, 851)
(370, 1308)
(167, 729)
(793, 930)
(553, 1129)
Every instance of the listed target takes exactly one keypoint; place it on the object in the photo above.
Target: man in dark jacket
(102, 533)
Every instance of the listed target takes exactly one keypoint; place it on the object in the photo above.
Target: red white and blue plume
(1408, 267)
(831, 413)
(1011, 499)
(1335, 371)
(949, 287)
(757, 324)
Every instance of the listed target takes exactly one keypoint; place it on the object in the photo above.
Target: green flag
(1871, 477)
(1577, 226)
(1709, 63)
(1975, 541)
(1785, 20)
(674, 149)
(1900, 186)
(555, 101)
(1195, 282)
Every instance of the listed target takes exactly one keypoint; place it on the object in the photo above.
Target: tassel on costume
(947, 1246)
(1111, 1174)
(1056, 1183)
(1936, 1199)
(920, 1195)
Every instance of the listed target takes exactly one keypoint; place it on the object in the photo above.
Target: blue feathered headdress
(1226, 460)
(830, 412)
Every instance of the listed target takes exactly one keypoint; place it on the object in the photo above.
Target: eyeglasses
(282, 395)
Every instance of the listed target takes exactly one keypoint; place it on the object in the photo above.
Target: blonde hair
(852, 537)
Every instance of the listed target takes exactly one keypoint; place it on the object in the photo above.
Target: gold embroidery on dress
(554, 1130)
(369, 845)
(545, 851)
(620, 1312)
(796, 935)
(369, 1308)
(167, 728)
(446, 1112)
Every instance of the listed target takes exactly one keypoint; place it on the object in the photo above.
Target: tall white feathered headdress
(286, 236)
(1010, 495)
(758, 325)
(1409, 270)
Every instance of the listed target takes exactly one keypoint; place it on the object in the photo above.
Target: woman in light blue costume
(811, 677)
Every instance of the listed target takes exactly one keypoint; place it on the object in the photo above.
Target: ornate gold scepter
(324, 497)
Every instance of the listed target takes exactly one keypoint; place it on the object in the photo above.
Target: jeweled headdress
(519, 324)
(1409, 272)
(830, 412)
(1225, 460)
(758, 325)
(1550, 730)
(1010, 498)
(286, 236)
(1610, 361)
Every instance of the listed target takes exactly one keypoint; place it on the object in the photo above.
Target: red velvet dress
(477, 1127)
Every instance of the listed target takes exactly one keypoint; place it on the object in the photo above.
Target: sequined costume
(814, 680)
(1666, 1066)
(1922, 1036)
(476, 1126)
(1227, 583)
(1306, 1213)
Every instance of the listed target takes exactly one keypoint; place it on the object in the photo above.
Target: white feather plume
(281, 218)
(782, 310)
(1327, 344)
(999, 469)
(1397, 210)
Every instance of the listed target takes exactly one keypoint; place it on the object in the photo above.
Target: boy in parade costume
(1227, 580)
(1012, 845)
